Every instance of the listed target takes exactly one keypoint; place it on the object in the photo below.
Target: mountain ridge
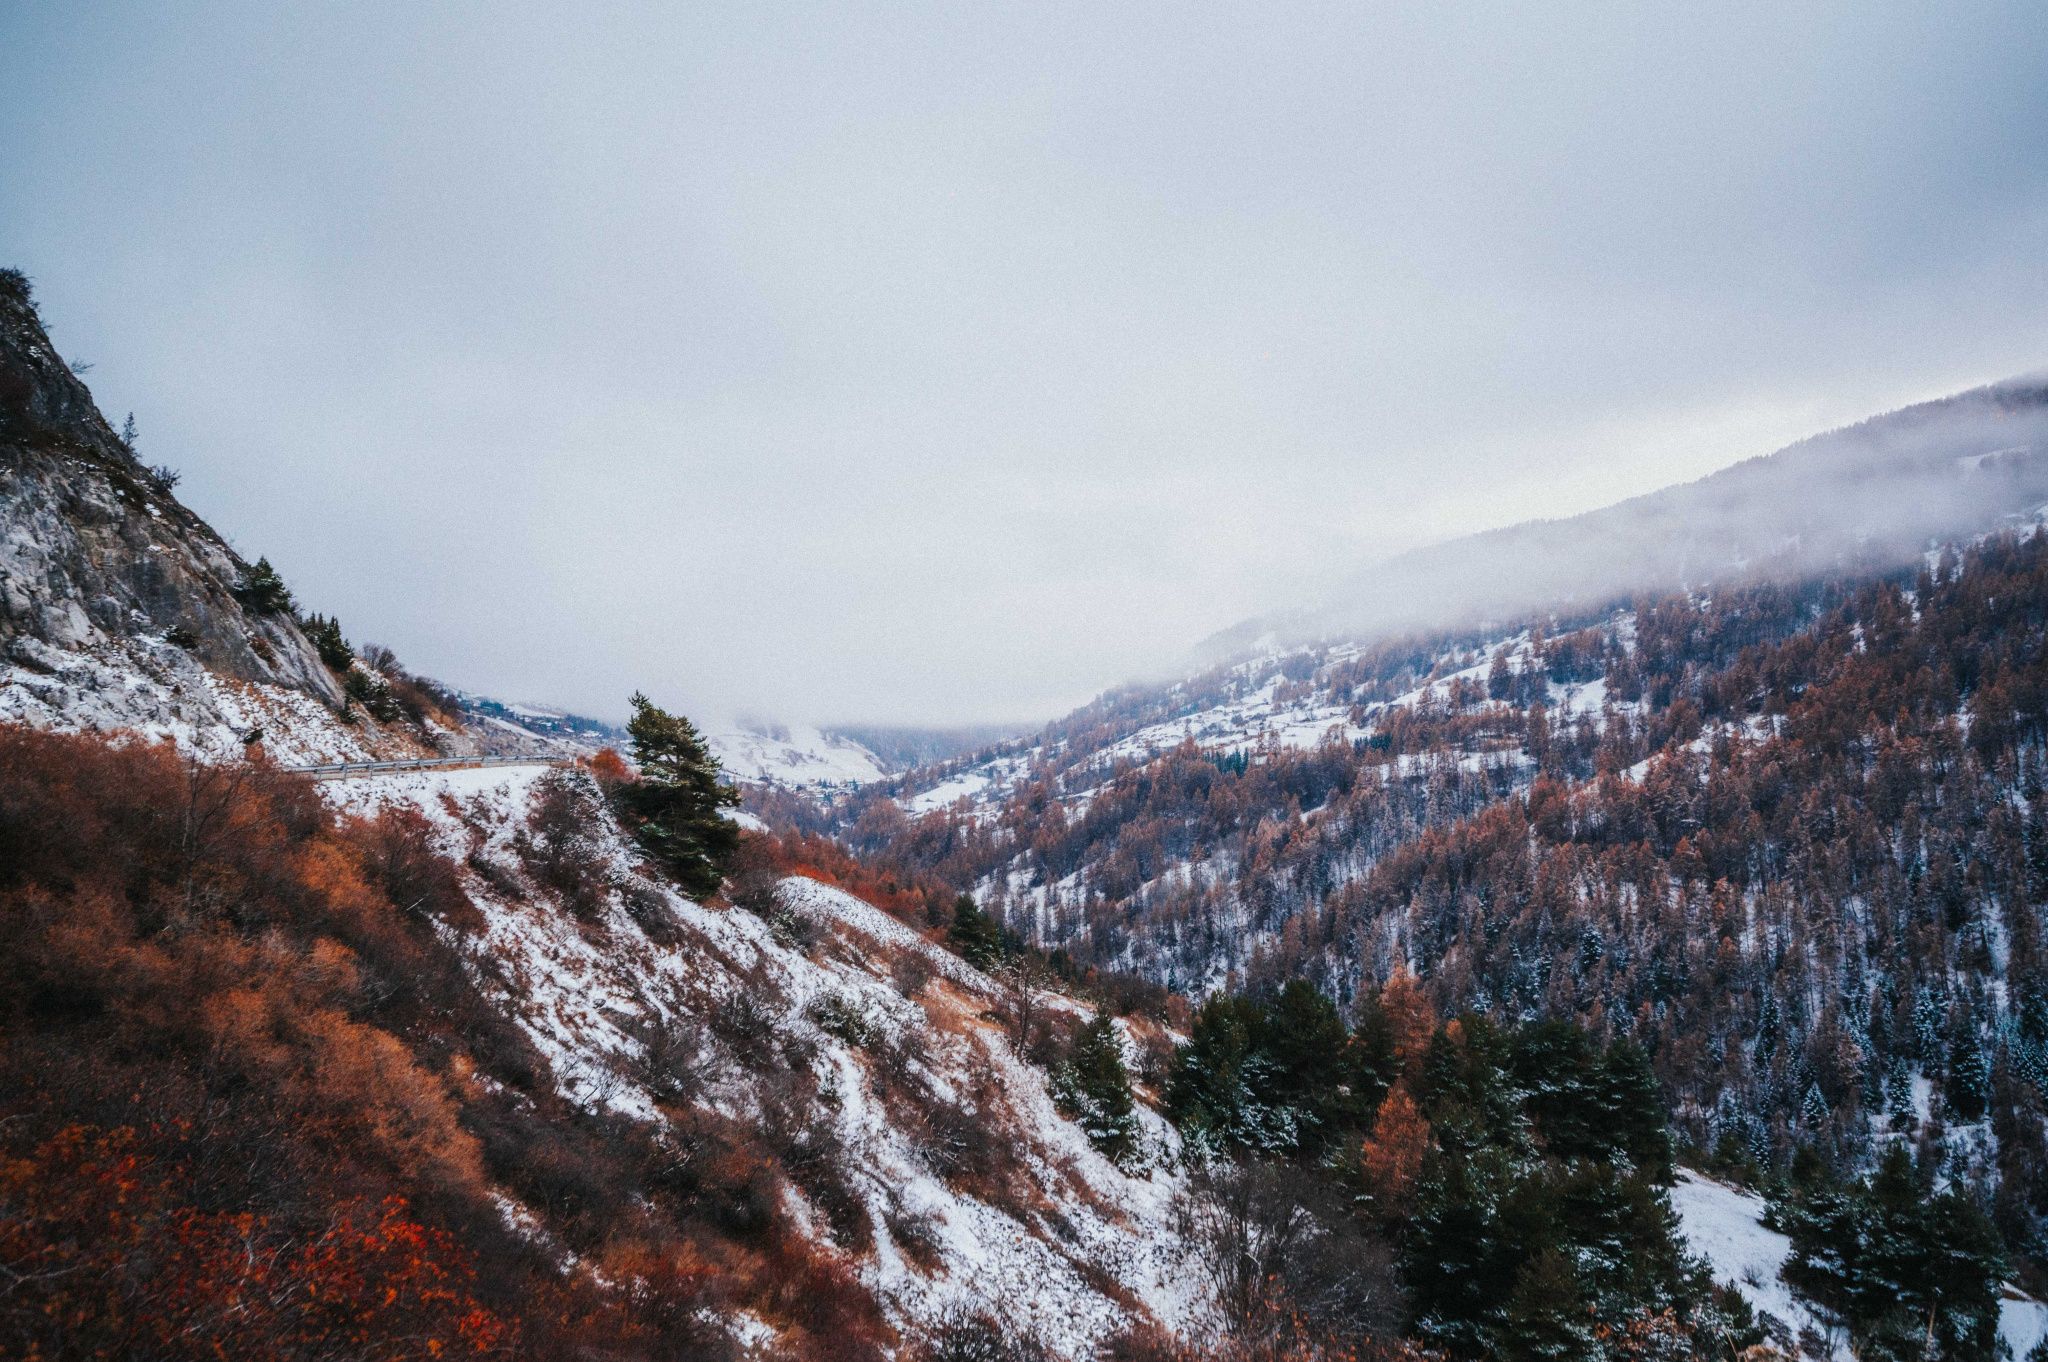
(1859, 498)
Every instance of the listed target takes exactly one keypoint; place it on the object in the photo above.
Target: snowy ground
(578, 992)
(1723, 1223)
(795, 755)
(149, 687)
(1258, 718)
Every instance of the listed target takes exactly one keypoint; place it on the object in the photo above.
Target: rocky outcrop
(95, 552)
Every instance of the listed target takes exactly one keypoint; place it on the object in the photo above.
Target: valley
(1624, 973)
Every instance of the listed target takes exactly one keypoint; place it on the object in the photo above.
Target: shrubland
(253, 1102)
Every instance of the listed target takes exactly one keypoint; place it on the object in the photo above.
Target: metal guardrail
(345, 769)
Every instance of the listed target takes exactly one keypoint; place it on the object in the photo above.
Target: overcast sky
(935, 363)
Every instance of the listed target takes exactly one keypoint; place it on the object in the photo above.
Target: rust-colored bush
(107, 1255)
(252, 1104)
(559, 845)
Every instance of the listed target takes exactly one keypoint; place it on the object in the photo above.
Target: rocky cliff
(119, 607)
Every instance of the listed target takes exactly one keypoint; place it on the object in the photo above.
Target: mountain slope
(121, 609)
(1865, 498)
(793, 755)
(1793, 840)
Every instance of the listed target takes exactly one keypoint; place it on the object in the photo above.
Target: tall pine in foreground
(675, 805)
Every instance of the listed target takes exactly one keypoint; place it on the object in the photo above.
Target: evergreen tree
(327, 639)
(1968, 1089)
(1813, 1108)
(1766, 1032)
(1927, 1029)
(1373, 1062)
(1492, 1201)
(1557, 1069)
(1500, 681)
(1632, 1116)
(1896, 1267)
(676, 804)
(1547, 1319)
(1220, 1089)
(1305, 1042)
(1898, 1086)
(2033, 1010)
(263, 591)
(1095, 1089)
(974, 935)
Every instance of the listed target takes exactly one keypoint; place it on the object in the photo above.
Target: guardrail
(345, 769)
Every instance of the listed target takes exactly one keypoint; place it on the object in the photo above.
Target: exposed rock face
(96, 553)
(118, 606)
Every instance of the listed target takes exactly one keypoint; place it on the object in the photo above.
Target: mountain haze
(1864, 498)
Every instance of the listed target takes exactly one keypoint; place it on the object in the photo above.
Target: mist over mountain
(1864, 498)
(904, 748)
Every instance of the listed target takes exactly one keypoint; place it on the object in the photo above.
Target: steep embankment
(944, 1173)
(120, 608)
(261, 1064)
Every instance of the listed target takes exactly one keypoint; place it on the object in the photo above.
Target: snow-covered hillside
(147, 685)
(796, 756)
(1248, 709)
(1724, 1224)
(1051, 1236)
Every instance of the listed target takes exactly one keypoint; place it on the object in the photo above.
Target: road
(349, 770)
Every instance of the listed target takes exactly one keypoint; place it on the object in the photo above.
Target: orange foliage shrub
(609, 768)
(107, 1255)
(253, 1106)
(916, 901)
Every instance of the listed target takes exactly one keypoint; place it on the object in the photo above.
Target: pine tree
(1898, 1084)
(1305, 1041)
(1927, 1029)
(1209, 1089)
(334, 648)
(1095, 1088)
(1634, 1111)
(1547, 1320)
(974, 935)
(1813, 1108)
(1896, 1267)
(263, 591)
(1766, 1032)
(2033, 1010)
(1968, 1088)
(676, 803)
(1500, 682)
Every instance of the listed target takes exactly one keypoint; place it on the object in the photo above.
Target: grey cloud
(923, 363)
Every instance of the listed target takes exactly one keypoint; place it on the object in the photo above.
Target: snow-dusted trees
(1281, 1077)
(974, 934)
(261, 590)
(1908, 1276)
(1539, 1226)
(1094, 1088)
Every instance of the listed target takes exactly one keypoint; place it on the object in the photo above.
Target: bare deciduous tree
(1280, 1252)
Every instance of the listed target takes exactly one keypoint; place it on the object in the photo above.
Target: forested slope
(1791, 839)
